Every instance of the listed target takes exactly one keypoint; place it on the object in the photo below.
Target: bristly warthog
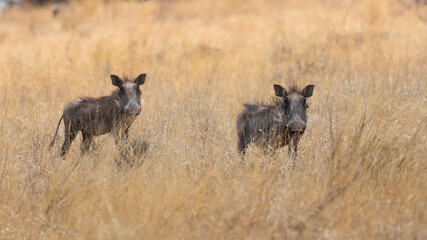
(274, 126)
(96, 116)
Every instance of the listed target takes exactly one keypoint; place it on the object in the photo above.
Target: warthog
(274, 126)
(96, 116)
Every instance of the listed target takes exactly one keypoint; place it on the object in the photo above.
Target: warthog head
(294, 107)
(129, 94)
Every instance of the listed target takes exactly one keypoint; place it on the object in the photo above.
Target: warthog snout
(296, 126)
(133, 109)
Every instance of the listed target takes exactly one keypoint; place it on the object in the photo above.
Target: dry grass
(361, 171)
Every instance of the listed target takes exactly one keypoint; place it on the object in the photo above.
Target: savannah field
(361, 172)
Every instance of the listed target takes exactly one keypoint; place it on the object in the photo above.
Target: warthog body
(275, 126)
(96, 116)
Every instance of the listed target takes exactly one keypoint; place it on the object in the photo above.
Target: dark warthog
(96, 116)
(274, 126)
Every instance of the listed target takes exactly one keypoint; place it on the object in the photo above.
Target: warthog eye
(285, 104)
(305, 103)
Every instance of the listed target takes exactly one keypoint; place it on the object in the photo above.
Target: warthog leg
(121, 140)
(69, 135)
(86, 142)
(294, 144)
(242, 144)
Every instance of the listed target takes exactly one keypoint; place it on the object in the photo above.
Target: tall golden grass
(361, 172)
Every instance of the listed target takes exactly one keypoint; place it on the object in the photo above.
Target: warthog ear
(280, 91)
(140, 79)
(308, 91)
(116, 81)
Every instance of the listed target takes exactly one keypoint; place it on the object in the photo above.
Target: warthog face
(129, 94)
(294, 107)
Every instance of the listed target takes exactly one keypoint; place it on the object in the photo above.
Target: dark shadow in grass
(134, 153)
